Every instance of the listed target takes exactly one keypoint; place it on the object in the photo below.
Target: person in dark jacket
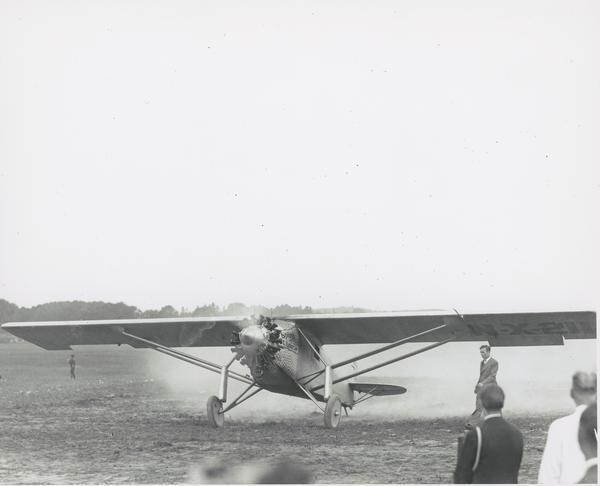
(492, 451)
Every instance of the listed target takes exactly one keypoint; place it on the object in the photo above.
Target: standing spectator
(488, 368)
(72, 365)
(492, 451)
(588, 441)
(562, 460)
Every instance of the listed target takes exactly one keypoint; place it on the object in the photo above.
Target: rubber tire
(333, 412)
(214, 412)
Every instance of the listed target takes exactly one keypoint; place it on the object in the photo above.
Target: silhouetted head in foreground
(492, 399)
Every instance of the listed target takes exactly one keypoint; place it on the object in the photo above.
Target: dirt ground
(117, 424)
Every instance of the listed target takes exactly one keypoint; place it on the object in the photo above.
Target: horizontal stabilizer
(377, 389)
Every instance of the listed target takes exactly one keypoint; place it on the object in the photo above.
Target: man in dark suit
(488, 368)
(492, 451)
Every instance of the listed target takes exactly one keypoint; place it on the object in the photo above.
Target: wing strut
(387, 346)
(399, 358)
(202, 363)
(309, 394)
(329, 382)
(311, 346)
(243, 398)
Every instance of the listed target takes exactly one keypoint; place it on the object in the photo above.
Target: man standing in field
(72, 365)
(488, 368)
(562, 460)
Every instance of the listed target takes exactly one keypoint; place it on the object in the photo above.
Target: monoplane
(286, 355)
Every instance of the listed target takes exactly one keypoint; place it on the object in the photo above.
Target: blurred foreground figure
(492, 451)
(562, 461)
(488, 369)
(588, 441)
(250, 473)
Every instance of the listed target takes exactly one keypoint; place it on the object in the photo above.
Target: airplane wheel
(214, 411)
(333, 412)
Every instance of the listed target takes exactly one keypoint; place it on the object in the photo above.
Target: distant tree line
(59, 311)
(78, 310)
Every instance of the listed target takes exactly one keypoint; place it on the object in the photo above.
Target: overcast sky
(389, 155)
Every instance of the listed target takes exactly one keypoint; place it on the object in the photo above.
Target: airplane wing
(515, 329)
(510, 329)
(172, 332)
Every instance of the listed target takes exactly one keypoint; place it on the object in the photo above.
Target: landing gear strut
(214, 412)
(333, 412)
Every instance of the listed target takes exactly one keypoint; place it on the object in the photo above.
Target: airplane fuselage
(281, 356)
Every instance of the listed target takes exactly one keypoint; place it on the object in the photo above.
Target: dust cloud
(440, 382)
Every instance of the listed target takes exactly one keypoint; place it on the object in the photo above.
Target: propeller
(263, 340)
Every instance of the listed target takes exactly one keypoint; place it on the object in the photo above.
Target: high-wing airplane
(285, 354)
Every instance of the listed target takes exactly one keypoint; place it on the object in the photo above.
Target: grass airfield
(120, 422)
